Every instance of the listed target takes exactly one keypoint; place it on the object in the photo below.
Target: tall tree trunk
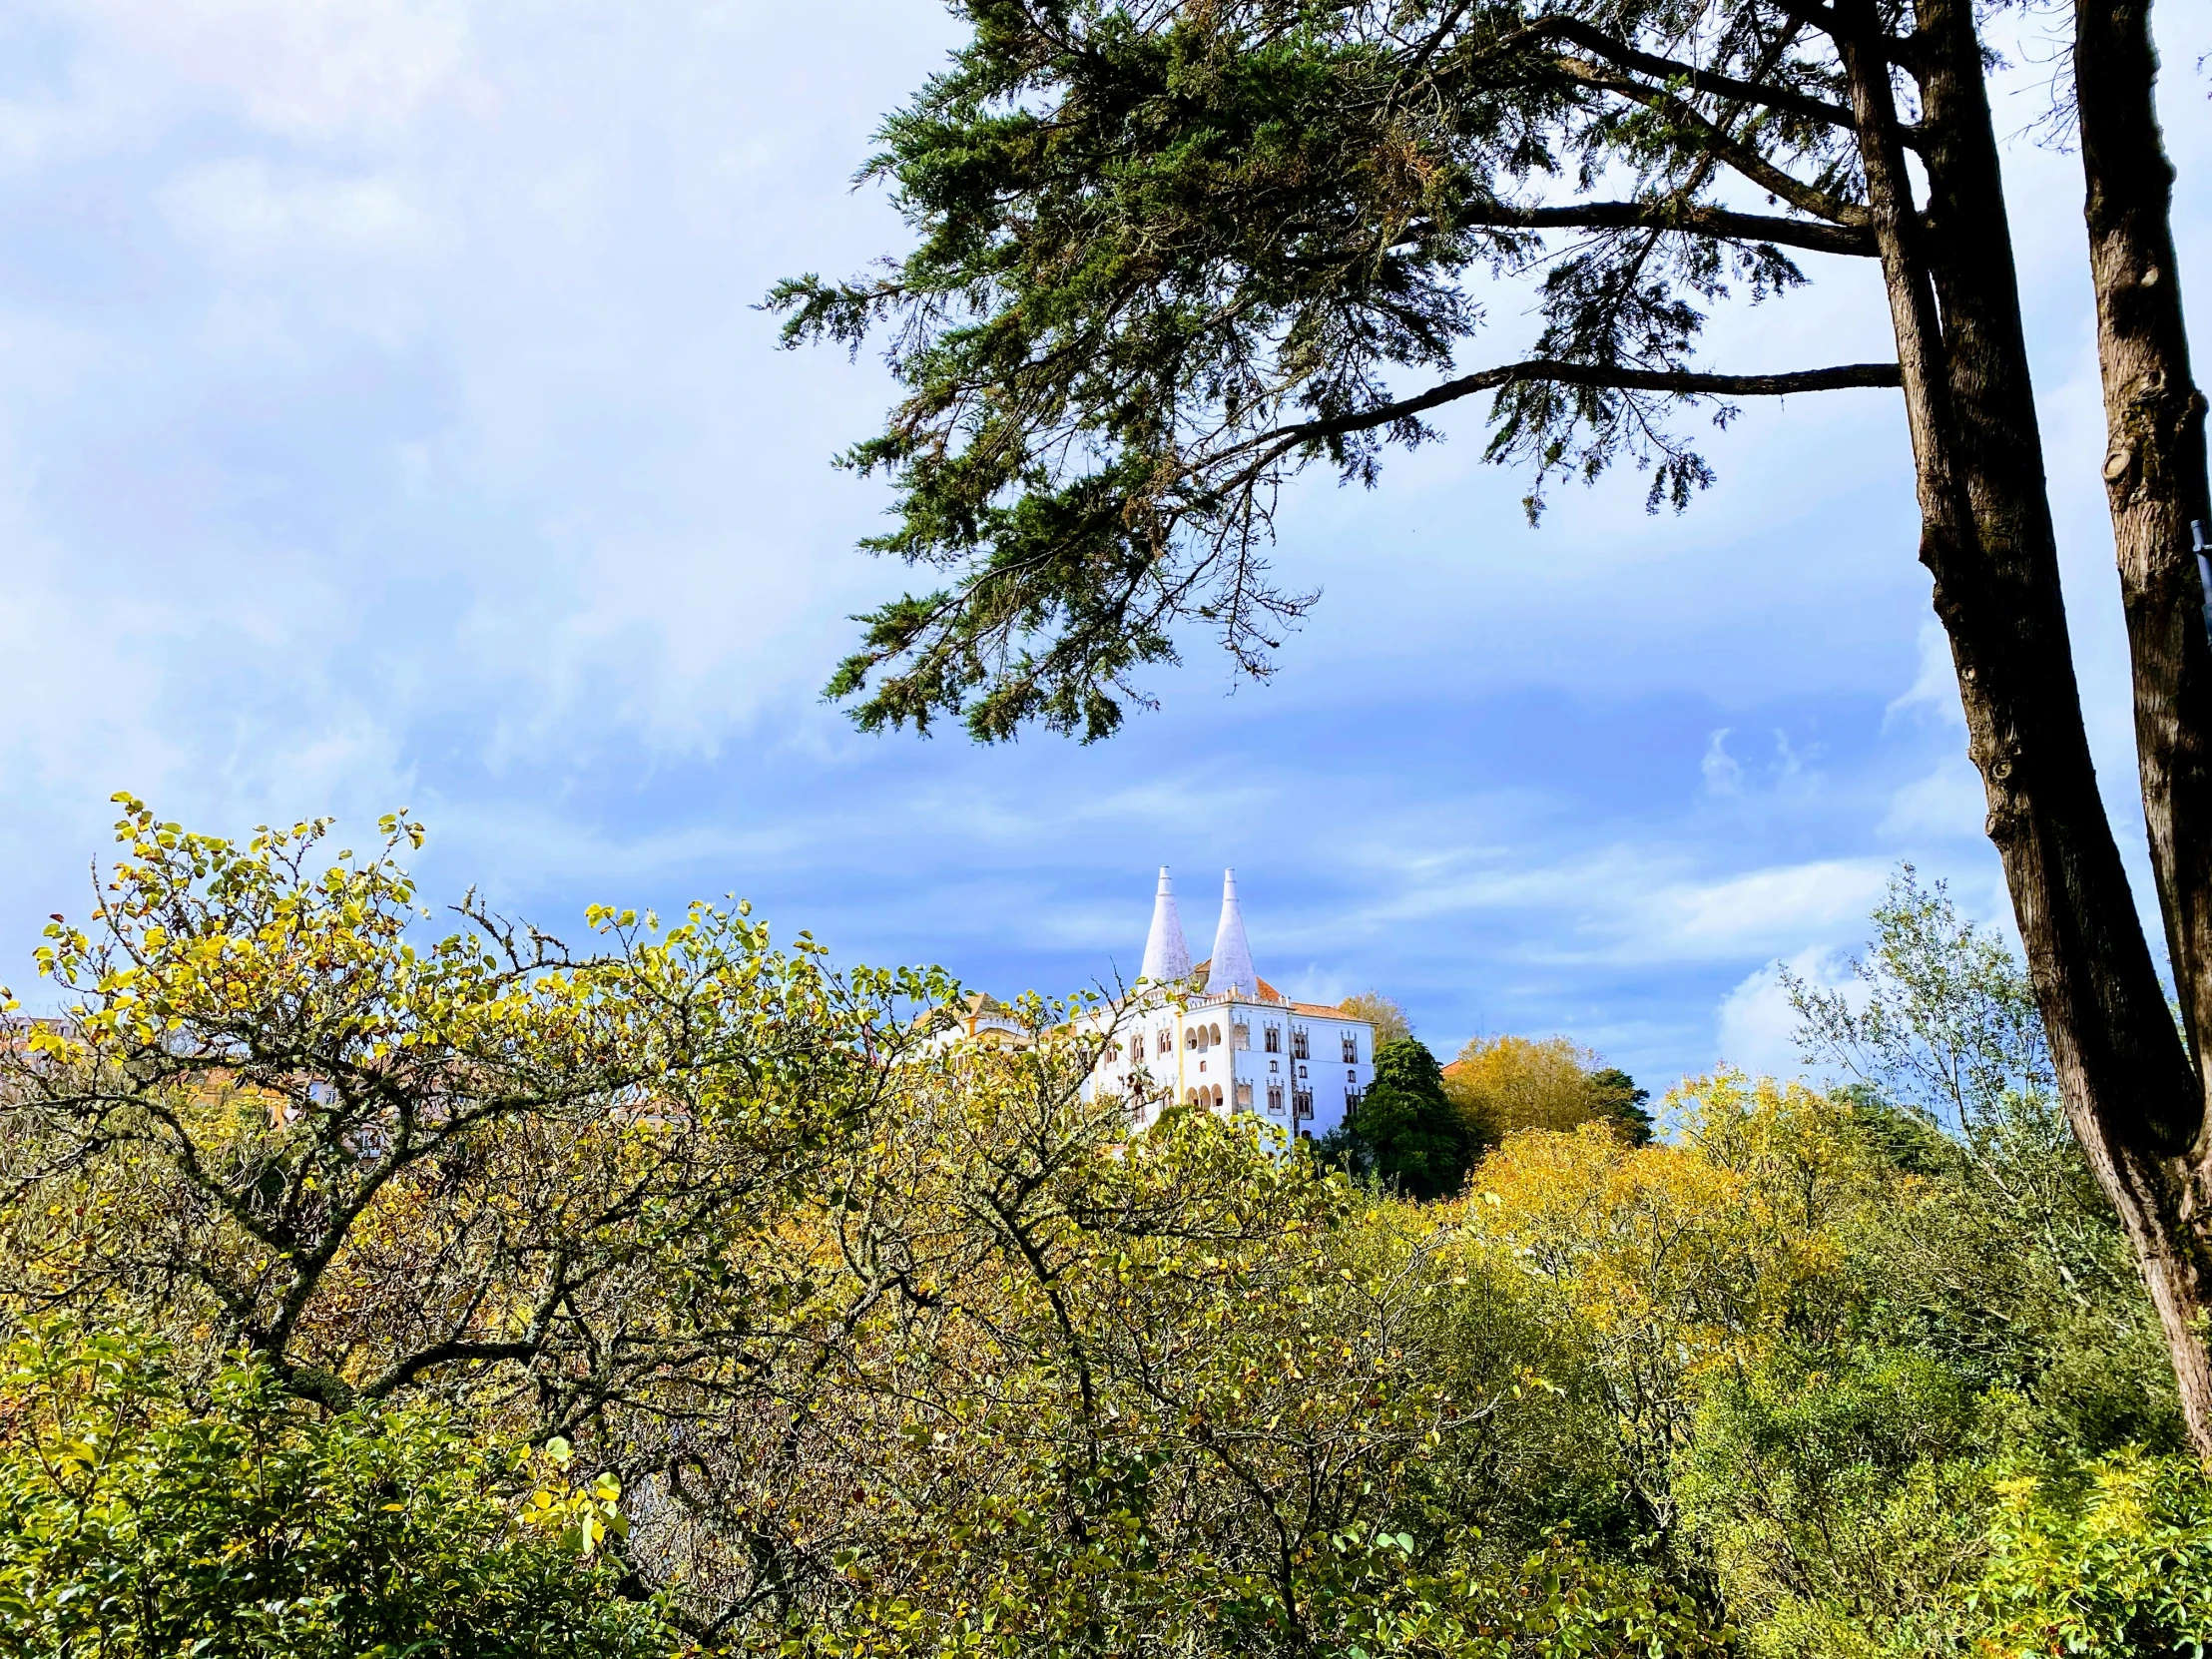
(2154, 475)
(1988, 539)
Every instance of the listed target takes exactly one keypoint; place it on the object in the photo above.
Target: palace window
(1300, 1047)
(1213, 1034)
(1275, 1098)
(1244, 1097)
(1302, 1103)
(1166, 1045)
(1350, 1077)
(1352, 1048)
(1136, 1047)
(1243, 1035)
(1273, 1041)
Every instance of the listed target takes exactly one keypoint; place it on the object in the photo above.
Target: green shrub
(137, 1522)
(2114, 1561)
(1844, 1498)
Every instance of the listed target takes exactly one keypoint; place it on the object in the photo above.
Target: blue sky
(385, 421)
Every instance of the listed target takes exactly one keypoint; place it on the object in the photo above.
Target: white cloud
(1947, 803)
(1933, 693)
(1754, 1025)
(1723, 774)
(1740, 912)
(1633, 903)
(239, 208)
(308, 70)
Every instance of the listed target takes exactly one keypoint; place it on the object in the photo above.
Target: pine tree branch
(1903, 51)
(1688, 218)
(1718, 144)
(1680, 383)
(1595, 41)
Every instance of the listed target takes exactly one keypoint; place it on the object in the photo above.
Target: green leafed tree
(377, 1159)
(1404, 1131)
(1170, 254)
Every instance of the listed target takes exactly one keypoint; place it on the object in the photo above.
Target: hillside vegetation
(371, 1289)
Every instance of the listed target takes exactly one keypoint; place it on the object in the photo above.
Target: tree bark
(2155, 482)
(1987, 540)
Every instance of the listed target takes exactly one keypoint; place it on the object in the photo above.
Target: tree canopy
(466, 1294)
(1506, 1083)
(1404, 1131)
(1381, 1011)
(1167, 256)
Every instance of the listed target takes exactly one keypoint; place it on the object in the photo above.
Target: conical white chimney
(1166, 955)
(1232, 968)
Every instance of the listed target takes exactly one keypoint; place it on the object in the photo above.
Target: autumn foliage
(376, 1287)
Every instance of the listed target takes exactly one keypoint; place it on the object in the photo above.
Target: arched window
(1217, 1095)
(1273, 1044)
(1190, 1097)
(1136, 1047)
(1213, 1034)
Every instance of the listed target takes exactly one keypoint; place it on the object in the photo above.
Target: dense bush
(137, 1519)
(2109, 1558)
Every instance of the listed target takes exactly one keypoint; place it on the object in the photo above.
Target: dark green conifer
(1404, 1131)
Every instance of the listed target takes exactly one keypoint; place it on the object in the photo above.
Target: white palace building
(1218, 1035)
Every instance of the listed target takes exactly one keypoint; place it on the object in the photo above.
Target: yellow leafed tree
(1503, 1084)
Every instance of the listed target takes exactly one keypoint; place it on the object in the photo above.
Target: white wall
(1209, 1064)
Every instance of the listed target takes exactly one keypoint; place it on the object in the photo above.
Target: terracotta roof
(1268, 993)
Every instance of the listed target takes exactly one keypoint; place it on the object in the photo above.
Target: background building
(1216, 1034)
